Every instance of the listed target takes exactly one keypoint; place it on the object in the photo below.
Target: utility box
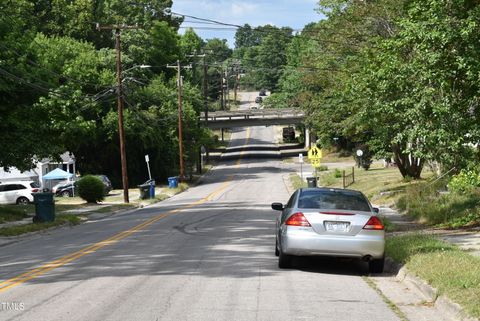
(44, 207)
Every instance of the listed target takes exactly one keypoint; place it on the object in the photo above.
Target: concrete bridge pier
(307, 138)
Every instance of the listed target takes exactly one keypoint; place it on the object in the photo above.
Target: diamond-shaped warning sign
(314, 153)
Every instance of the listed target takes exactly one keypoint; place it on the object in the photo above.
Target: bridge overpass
(252, 117)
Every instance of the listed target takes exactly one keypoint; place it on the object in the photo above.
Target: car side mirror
(376, 210)
(277, 206)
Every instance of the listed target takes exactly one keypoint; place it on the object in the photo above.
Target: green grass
(424, 203)
(453, 272)
(11, 213)
(297, 181)
(63, 219)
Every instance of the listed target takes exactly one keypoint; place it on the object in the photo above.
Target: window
(333, 200)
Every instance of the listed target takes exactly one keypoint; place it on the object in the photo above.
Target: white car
(18, 192)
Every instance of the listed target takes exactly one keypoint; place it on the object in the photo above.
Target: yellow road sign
(315, 162)
(314, 153)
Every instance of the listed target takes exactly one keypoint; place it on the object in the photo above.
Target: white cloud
(242, 8)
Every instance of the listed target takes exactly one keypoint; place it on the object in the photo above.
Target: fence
(348, 179)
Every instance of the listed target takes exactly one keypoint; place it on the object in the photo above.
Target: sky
(281, 13)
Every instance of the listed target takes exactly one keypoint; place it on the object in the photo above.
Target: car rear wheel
(65, 194)
(277, 252)
(22, 201)
(284, 260)
(376, 266)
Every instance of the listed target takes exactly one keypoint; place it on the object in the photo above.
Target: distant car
(18, 192)
(253, 107)
(69, 188)
(288, 133)
(329, 222)
(262, 92)
(258, 100)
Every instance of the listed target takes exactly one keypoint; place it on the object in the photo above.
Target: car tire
(22, 201)
(277, 252)
(65, 194)
(376, 266)
(284, 260)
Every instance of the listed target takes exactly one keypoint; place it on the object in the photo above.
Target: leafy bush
(465, 181)
(322, 168)
(91, 189)
(338, 173)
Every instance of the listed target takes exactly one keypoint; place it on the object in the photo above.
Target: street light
(137, 66)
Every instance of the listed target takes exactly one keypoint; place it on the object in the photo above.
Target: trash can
(44, 207)
(147, 189)
(172, 182)
(152, 188)
(311, 181)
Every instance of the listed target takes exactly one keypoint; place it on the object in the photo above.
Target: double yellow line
(10, 283)
(7, 284)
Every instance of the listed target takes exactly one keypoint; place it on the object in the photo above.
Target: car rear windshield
(333, 200)
(34, 185)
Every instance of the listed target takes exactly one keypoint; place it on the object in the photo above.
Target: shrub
(322, 168)
(465, 181)
(338, 173)
(91, 189)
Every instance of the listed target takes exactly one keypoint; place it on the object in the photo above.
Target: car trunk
(337, 222)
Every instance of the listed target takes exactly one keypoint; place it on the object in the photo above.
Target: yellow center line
(21, 278)
(246, 143)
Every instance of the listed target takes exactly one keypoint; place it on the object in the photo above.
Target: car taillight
(374, 223)
(34, 190)
(297, 219)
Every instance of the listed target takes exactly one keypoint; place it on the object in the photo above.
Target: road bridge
(253, 117)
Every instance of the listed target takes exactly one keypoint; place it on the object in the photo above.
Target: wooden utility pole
(120, 103)
(180, 112)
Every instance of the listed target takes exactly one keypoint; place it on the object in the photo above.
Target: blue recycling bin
(152, 189)
(172, 182)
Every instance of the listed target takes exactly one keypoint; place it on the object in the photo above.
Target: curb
(441, 302)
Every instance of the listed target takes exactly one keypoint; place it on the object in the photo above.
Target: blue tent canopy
(57, 173)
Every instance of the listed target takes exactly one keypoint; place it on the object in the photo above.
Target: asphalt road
(205, 254)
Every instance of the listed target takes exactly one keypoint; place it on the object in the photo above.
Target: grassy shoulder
(9, 213)
(62, 219)
(452, 271)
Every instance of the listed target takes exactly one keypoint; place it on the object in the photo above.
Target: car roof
(15, 182)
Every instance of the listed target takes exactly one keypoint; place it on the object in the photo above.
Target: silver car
(329, 222)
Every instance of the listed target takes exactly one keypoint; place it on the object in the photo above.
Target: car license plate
(337, 226)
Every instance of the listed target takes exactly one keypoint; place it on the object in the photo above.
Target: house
(43, 167)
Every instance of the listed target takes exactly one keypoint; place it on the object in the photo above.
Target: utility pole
(205, 97)
(120, 104)
(180, 112)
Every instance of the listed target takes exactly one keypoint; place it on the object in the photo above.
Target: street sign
(147, 159)
(315, 162)
(300, 158)
(359, 152)
(314, 153)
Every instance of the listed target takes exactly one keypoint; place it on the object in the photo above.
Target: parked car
(18, 192)
(65, 189)
(258, 100)
(329, 222)
(106, 182)
(69, 188)
(288, 133)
